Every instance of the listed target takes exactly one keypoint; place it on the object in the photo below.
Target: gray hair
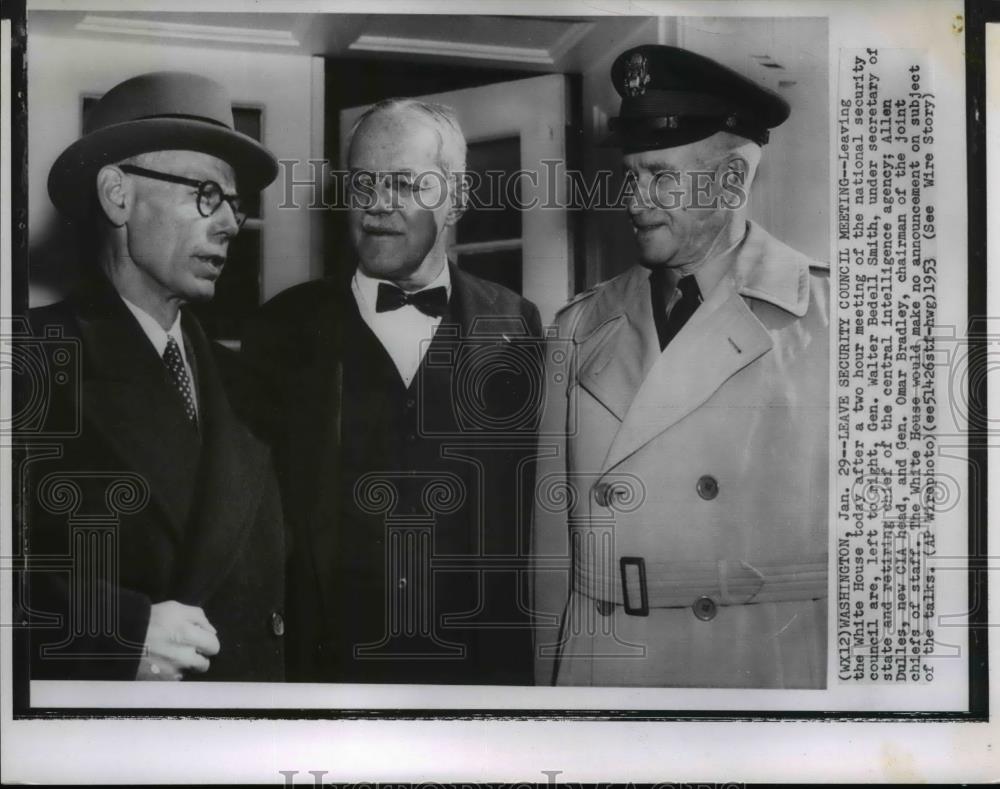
(441, 118)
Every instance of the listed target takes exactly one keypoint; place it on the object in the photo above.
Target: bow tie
(432, 302)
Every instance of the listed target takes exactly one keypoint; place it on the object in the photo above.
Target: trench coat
(174, 512)
(680, 526)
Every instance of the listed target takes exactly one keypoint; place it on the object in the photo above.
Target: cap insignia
(636, 75)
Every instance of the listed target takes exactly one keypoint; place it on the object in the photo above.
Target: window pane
(502, 266)
(249, 121)
(493, 212)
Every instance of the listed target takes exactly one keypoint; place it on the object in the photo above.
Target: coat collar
(127, 398)
(763, 268)
(620, 360)
(768, 270)
(117, 348)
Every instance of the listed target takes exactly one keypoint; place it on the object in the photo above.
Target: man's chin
(655, 251)
(655, 257)
(202, 290)
(385, 267)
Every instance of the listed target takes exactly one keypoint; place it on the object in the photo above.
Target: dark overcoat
(426, 583)
(129, 504)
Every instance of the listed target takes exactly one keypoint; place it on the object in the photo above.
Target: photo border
(978, 12)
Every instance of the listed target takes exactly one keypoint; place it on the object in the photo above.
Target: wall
(62, 69)
(791, 197)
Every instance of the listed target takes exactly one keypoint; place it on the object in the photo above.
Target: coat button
(708, 487)
(704, 608)
(401, 583)
(277, 624)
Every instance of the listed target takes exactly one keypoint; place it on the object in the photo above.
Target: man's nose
(227, 222)
(637, 200)
(383, 199)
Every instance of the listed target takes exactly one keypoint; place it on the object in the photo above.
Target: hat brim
(634, 138)
(654, 140)
(72, 177)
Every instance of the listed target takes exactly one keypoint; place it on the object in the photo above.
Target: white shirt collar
(368, 286)
(154, 331)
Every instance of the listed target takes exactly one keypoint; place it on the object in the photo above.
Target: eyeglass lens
(210, 197)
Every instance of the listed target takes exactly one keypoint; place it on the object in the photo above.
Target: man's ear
(733, 172)
(115, 194)
(458, 188)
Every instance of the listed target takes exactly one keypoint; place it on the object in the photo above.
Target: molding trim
(569, 39)
(460, 49)
(155, 28)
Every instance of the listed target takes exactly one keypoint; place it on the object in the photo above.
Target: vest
(407, 509)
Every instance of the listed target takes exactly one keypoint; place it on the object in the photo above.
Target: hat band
(676, 102)
(181, 116)
(709, 125)
(160, 116)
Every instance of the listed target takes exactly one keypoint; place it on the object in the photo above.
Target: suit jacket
(301, 339)
(144, 506)
(693, 550)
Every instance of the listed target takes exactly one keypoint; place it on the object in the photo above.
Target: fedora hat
(160, 111)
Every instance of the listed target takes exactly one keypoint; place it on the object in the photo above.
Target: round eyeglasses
(209, 197)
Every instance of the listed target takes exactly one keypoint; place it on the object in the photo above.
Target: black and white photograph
(453, 371)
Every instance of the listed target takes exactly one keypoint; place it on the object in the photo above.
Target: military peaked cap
(673, 97)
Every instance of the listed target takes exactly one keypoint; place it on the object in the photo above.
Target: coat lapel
(619, 345)
(128, 398)
(471, 304)
(231, 476)
(721, 338)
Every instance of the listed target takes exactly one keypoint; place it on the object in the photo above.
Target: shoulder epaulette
(586, 294)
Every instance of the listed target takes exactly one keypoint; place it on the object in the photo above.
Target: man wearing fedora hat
(696, 417)
(154, 533)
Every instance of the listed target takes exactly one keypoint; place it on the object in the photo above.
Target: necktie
(432, 302)
(178, 374)
(667, 326)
